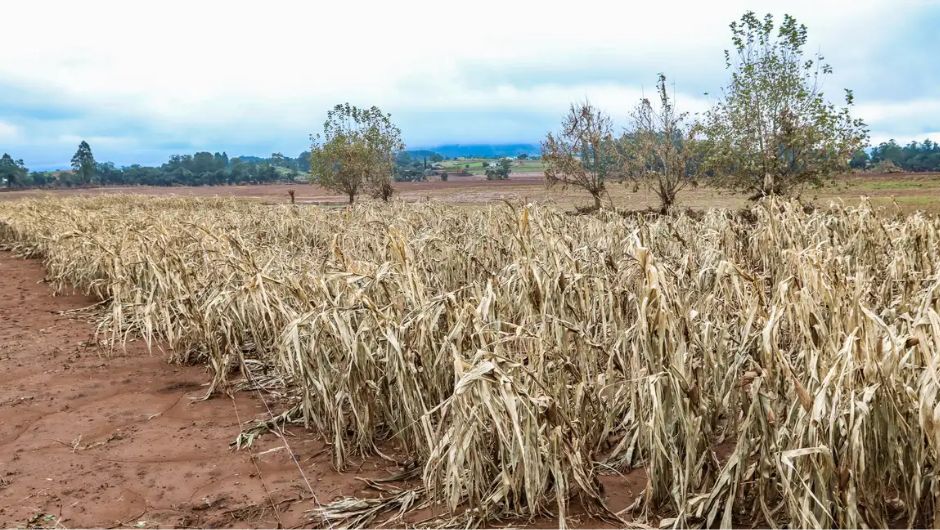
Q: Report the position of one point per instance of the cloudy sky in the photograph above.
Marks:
(143, 80)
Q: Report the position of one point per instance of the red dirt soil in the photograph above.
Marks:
(912, 191)
(476, 186)
(88, 440)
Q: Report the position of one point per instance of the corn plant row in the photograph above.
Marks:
(773, 366)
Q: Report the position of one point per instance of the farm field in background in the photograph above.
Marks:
(511, 359)
(476, 167)
(526, 280)
(909, 191)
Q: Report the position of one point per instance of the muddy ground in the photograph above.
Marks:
(92, 440)
(88, 441)
(906, 192)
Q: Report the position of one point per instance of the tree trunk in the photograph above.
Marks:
(597, 201)
(352, 197)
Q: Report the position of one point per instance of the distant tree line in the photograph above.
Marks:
(890, 156)
(199, 169)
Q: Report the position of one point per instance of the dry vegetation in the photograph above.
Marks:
(773, 366)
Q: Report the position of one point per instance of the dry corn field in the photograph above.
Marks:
(774, 366)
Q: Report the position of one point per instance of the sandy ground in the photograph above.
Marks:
(88, 440)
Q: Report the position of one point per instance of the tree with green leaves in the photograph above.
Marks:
(772, 130)
(108, 173)
(915, 156)
(584, 153)
(83, 163)
(12, 171)
(661, 149)
(860, 160)
(356, 152)
(303, 161)
(499, 171)
(278, 160)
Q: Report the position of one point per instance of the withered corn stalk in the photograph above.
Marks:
(769, 367)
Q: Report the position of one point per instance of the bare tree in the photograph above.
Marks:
(584, 153)
(661, 148)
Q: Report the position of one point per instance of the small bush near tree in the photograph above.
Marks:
(500, 171)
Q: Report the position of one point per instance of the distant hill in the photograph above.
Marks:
(478, 150)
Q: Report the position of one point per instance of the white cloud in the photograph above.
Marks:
(904, 139)
(107, 141)
(8, 132)
(223, 73)
(899, 110)
(904, 121)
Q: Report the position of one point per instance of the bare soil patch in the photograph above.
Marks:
(904, 191)
(89, 441)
